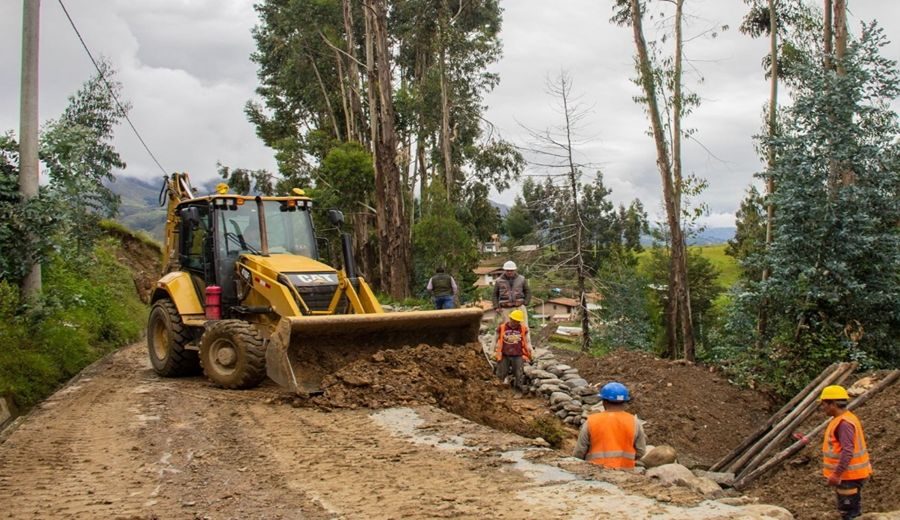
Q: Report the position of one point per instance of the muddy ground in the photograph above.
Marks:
(119, 442)
(799, 486)
(696, 410)
(690, 407)
(455, 378)
(424, 432)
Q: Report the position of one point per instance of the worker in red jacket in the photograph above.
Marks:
(845, 458)
(612, 438)
(513, 350)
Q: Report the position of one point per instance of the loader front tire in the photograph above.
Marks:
(232, 354)
(167, 338)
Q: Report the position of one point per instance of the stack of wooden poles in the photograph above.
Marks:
(754, 457)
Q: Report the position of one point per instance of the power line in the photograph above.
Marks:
(110, 89)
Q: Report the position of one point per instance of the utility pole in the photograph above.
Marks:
(29, 165)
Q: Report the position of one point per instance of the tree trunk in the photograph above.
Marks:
(680, 251)
(391, 218)
(446, 143)
(353, 76)
(828, 35)
(673, 217)
(762, 322)
(579, 226)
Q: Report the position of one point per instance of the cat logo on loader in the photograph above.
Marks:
(245, 296)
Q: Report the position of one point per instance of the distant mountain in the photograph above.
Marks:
(504, 209)
(140, 208)
(707, 237)
(711, 236)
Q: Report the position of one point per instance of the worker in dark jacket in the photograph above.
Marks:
(443, 289)
(612, 438)
(845, 457)
(511, 293)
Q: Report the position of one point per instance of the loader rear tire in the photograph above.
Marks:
(167, 338)
(232, 354)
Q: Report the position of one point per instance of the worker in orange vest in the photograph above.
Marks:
(513, 350)
(612, 438)
(845, 459)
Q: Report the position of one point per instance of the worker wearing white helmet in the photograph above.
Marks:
(511, 292)
(510, 289)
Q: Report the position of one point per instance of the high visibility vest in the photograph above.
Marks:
(859, 467)
(612, 439)
(512, 342)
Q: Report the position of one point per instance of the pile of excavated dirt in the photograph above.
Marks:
(799, 485)
(687, 406)
(455, 378)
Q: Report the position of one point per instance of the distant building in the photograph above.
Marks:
(558, 309)
(527, 248)
(492, 246)
(486, 275)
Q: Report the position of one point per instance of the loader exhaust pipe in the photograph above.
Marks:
(349, 261)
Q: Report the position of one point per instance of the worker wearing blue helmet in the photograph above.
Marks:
(612, 438)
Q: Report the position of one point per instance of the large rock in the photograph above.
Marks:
(559, 397)
(722, 479)
(588, 391)
(660, 456)
(540, 374)
(577, 383)
(589, 399)
(676, 474)
(558, 370)
(672, 474)
(548, 389)
(705, 486)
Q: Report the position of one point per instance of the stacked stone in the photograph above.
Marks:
(570, 396)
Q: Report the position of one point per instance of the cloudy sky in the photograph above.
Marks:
(185, 69)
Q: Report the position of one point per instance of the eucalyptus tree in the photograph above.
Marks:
(834, 287)
(660, 87)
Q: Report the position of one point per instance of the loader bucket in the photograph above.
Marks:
(305, 349)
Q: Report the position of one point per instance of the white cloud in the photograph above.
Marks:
(186, 70)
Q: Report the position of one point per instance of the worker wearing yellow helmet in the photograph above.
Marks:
(513, 350)
(845, 457)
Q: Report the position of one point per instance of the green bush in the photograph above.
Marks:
(87, 309)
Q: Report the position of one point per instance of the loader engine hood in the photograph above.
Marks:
(315, 282)
(287, 264)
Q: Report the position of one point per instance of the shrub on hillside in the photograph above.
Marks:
(86, 310)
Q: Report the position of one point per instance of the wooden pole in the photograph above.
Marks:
(753, 437)
(797, 446)
(844, 369)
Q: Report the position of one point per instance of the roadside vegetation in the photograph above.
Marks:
(88, 304)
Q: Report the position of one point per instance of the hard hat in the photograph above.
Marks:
(509, 266)
(834, 393)
(517, 315)
(615, 392)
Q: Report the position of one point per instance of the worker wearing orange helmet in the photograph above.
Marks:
(513, 350)
(845, 458)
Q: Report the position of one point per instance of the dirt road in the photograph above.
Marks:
(119, 442)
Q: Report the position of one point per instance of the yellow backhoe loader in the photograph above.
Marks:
(245, 296)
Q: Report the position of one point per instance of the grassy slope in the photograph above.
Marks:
(728, 268)
(88, 308)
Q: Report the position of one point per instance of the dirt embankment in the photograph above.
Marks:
(799, 486)
(455, 378)
(687, 406)
(142, 256)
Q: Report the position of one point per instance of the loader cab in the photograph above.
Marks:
(216, 231)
